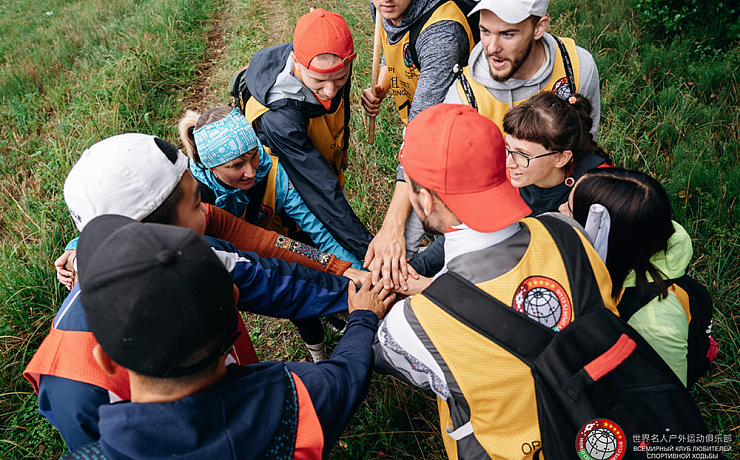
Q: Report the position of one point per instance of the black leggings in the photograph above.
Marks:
(310, 330)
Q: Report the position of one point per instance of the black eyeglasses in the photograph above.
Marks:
(523, 159)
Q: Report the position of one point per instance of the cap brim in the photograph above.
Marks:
(488, 210)
(96, 232)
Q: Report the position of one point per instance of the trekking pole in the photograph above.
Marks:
(376, 71)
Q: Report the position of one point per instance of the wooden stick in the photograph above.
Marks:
(376, 71)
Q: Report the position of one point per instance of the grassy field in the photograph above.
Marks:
(76, 72)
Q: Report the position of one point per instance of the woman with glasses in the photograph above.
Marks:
(549, 146)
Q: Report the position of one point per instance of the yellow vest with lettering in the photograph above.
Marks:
(498, 387)
(326, 133)
(403, 74)
(494, 110)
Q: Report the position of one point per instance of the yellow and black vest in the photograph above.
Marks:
(328, 133)
(403, 73)
(493, 402)
(494, 110)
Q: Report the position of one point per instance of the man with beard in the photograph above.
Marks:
(517, 59)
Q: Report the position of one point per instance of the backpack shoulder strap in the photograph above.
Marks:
(238, 90)
(568, 65)
(501, 323)
(631, 301)
(416, 27)
(465, 84)
(583, 286)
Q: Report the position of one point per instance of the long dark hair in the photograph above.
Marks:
(640, 222)
(556, 124)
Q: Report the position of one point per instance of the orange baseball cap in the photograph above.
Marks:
(460, 154)
(323, 32)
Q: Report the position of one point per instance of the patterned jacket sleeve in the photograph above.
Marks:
(251, 238)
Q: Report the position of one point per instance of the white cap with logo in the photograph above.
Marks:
(513, 11)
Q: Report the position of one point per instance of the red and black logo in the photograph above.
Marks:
(545, 301)
(562, 88)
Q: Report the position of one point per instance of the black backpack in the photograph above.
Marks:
(597, 379)
(415, 29)
(702, 348)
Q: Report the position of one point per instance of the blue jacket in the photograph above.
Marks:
(239, 417)
(266, 286)
(287, 200)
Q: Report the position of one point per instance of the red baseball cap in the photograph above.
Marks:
(460, 154)
(323, 32)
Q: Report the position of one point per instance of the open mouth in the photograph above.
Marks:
(497, 63)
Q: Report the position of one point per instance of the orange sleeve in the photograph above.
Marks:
(248, 237)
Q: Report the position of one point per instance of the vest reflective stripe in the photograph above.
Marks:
(497, 386)
(403, 74)
(68, 354)
(494, 110)
(309, 441)
(326, 133)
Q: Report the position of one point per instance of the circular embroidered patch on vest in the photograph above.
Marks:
(601, 439)
(545, 301)
(407, 56)
(264, 214)
(562, 89)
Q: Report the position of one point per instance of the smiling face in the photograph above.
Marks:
(239, 173)
(511, 48)
(190, 211)
(323, 85)
(547, 171)
(392, 10)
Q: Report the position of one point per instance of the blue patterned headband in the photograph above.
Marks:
(225, 139)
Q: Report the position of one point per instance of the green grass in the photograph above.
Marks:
(89, 70)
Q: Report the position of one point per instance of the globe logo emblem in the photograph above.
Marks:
(543, 300)
(542, 305)
(601, 439)
(601, 444)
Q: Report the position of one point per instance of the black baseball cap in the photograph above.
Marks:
(156, 297)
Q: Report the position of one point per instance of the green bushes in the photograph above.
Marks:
(712, 26)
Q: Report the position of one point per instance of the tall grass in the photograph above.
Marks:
(75, 72)
(72, 73)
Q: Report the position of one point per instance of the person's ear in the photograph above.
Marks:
(426, 200)
(106, 364)
(236, 294)
(540, 27)
(564, 158)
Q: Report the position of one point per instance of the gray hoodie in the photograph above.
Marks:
(515, 89)
(439, 47)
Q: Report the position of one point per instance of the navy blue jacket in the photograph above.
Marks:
(238, 418)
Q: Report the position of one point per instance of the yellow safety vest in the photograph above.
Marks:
(266, 216)
(326, 133)
(497, 386)
(403, 74)
(494, 110)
